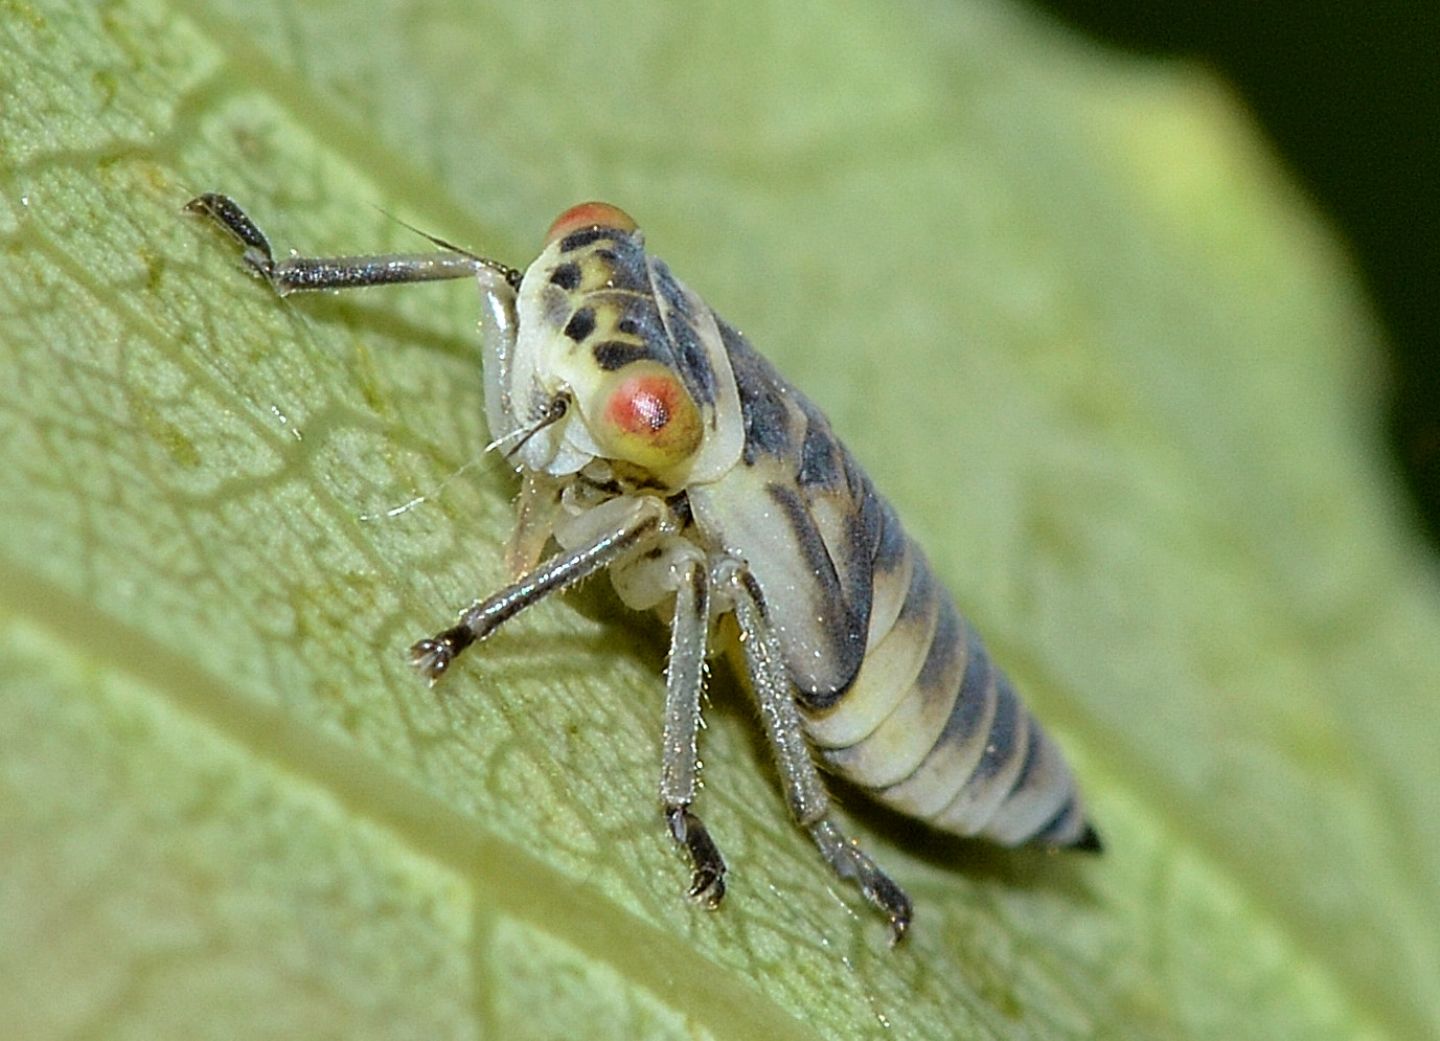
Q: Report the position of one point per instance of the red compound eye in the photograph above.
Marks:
(643, 406)
(649, 419)
(589, 215)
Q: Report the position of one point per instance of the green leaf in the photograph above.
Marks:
(1065, 308)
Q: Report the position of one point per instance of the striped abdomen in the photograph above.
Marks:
(931, 727)
(896, 690)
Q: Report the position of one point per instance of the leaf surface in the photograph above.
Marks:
(1064, 307)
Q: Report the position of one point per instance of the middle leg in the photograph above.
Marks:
(684, 685)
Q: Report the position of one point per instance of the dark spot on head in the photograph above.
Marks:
(566, 276)
(576, 239)
(628, 326)
(581, 324)
(613, 354)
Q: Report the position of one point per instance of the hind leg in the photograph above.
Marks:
(804, 790)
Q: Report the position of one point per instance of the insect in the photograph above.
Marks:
(654, 442)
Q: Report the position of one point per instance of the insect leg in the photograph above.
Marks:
(295, 274)
(804, 789)
(433, 656)
(684, 683)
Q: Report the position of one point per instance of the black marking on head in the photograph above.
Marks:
(628, 327)
(584, 237)
(566, 275)
(581, 324)
(615, 354)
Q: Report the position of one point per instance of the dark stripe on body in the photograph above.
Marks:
(691, 358)
(920, 596)
(984, 729)
(762, 407)
(971, 698)
(621, 260)
(944, 654)
(972, 704)
(846, 633)
(812, 546)
(820, 454)
(614, 354)
(1032, 756)
(891, 542)
(1001, 741)
(1052, 830)
(668, 290)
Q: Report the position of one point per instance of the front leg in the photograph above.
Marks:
(297, 274)
(646, 518)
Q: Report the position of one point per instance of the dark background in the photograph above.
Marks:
(1349, 91)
